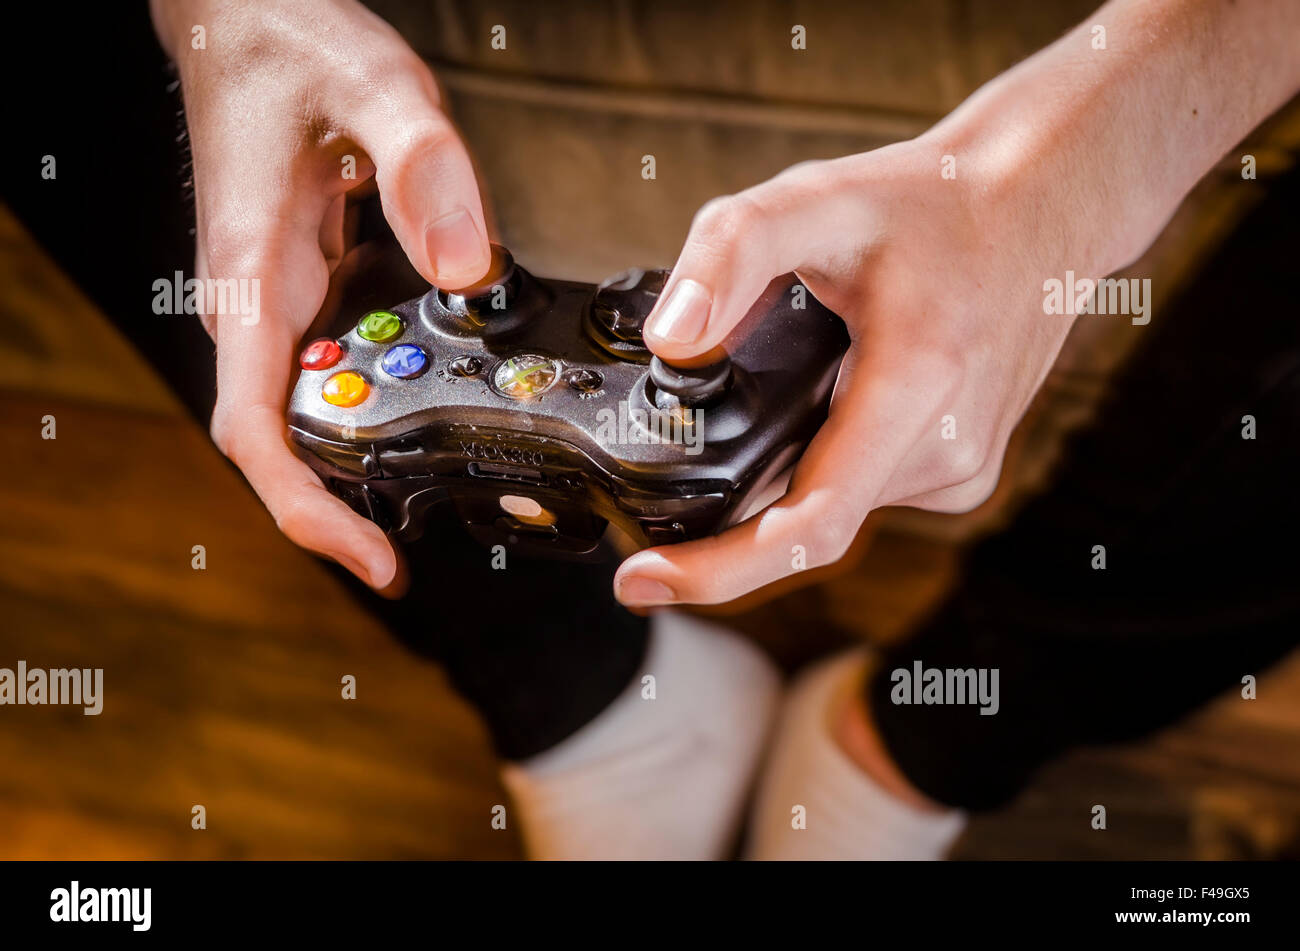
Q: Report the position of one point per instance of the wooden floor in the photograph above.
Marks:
(223, 685)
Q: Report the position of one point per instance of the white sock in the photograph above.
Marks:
(847, 814)
(662, 778)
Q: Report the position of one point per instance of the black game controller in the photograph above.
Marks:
(534, 407)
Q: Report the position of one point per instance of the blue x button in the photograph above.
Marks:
(405, 361)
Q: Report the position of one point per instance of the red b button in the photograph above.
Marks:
(320, 354)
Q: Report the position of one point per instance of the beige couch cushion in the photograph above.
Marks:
(559, 121)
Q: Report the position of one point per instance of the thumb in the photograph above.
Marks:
(736, 246)
(426, 182)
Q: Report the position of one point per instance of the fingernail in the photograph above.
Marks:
(683, 316)
(457, 254)
(637, 591)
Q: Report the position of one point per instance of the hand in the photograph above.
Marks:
(276, 104)
(1073, 160)
(940, 289)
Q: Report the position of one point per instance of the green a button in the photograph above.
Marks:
(380, 326)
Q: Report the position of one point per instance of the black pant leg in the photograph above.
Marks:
(1202, 577)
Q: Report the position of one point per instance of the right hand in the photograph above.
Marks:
(275, 103)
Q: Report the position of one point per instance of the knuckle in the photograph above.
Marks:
(224, 435)
(727, 220)
(943, 364)
(980, 489)
(831, 537)
(972, 481)
(971, 494)
(369, 69)
(966, 461)
(293, 516)
(806, 178)
(235, 245)
(386, 71)
(418, 142)
(800, 171)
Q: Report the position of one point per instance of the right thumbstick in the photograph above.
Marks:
(689, 386)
